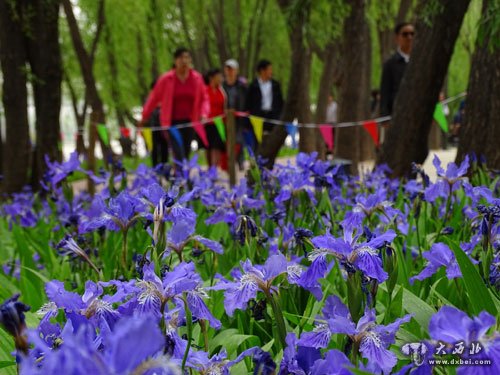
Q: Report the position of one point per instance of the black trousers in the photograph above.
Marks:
(159, 154)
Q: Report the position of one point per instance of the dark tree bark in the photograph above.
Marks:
(46, 66)
(297, 102)
(480, 131)
(355, 85)
(407, 136)
(329, 75)
(16, 151)
(153, 26)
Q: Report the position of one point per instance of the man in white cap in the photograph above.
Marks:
(236, 95)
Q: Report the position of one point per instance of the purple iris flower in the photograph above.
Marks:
(373, 339)
(120, 213)
(439, 256)
(93, 305)
(448, 181)
(20, 210)
(335, 363)
(252, 280)
(156, 293)
(56, 172)
(12, 319)
(230, 204)
(353, 255)
(292, 183)
(182, 233)
(297, 361)
(135, 344)
(451, 326)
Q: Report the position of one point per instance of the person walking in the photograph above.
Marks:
(181, 95)
(264, 96)
(394, 68)
(235, 90)
(217, 99)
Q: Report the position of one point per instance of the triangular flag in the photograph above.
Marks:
(258, 127)
(199, 128)
(125, 132)
(147, 134)
(291, 129)
(372, 128)
(103, 134)
(219, 124)
(440, 117)
(176, 134)
(327, 133)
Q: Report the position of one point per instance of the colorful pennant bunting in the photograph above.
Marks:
(440, 117)
(258, 127)
(291, 129)
(125, 132)
(372, 128)
(219, 124)
(327, 133)
(103, 134)
(147, 134)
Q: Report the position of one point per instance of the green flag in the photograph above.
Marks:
(103, 134)
(440, 117)
(219, 124)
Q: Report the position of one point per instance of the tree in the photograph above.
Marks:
(13, 57)
(480, 131)
(297, 104)
(437, 29)
(354, 85)
(45, 60)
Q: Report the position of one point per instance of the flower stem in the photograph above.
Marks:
(189, 325)
(124, 248)
(278, 316)
(443, 222)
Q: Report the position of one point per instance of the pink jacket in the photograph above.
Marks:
(162, 96)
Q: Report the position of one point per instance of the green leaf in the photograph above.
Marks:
(479, 296)
(421, 310)
(229, 339)
(4, 364)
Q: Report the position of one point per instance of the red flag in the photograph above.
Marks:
(372, 128)
(199, 128)
(327, 133)
(125, 132)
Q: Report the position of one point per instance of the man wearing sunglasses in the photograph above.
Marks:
(395, 66)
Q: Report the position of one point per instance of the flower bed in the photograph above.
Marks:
(302, 270)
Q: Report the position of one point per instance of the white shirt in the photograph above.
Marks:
(331, 112)
(266, 90)
(404, 55)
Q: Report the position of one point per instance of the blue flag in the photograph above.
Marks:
(291, 129)
(177, 137)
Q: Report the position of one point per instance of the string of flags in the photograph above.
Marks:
(257, 122)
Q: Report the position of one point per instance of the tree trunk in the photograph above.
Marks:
(407, 136)
(85, 62)
(152, 27)
(330, 61)
(480, 131)
(46, 65)
(16, 150)
(355, 85)
(297, 104)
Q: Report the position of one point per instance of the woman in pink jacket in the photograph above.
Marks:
(182, 98)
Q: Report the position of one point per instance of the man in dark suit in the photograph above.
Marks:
(395, 66)
(264, 97)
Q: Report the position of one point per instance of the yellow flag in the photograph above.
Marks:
(258, 126)
(147, 134)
